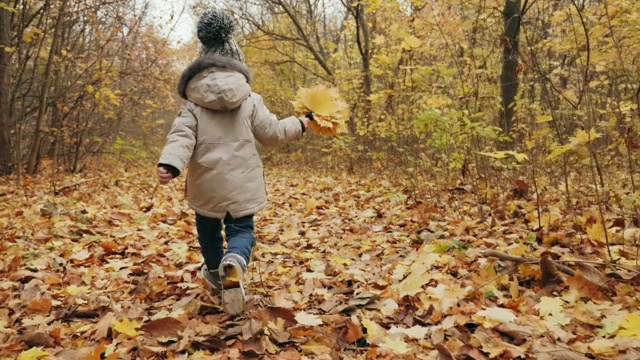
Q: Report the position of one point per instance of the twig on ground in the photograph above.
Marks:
(610, 264)
(522, 260)
(558, 263)
(56, 192)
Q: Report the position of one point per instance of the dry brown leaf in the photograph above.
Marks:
(37, 339)
(98, 354)
(353, 332)
(273, 313)
(101, 329)
(551, 276)
(41, 304)
(163, 327)
(250, 328)
(593, 275)
(324, 239)
(586, 286)
(212, 344)
(444, 353)
(253, 347)
(290, 354)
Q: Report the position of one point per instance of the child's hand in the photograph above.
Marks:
(164, 176)
(305, 121)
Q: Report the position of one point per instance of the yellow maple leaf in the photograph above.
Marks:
(630, 326)
(494, 316)
(552, 310)
(582, 137)
(320, 100)
(127, 327)
(397, 346)
(375, 333)
(75, 290)
(341, 260)
(33, 354)
(411, 42)
(604, 347)
(596, 232)
(329, 111)
(413, 284)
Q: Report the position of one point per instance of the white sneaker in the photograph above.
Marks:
(232, 270)
(211, 277)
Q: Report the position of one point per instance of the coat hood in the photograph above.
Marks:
(216, 83)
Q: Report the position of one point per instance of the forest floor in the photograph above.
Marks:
(345, 267)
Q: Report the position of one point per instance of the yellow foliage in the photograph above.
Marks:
(630, 326)
(329, 111)
(127, 327)
(33, 354)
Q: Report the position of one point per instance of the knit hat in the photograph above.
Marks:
(215, 32)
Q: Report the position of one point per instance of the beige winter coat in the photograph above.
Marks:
(216, 135)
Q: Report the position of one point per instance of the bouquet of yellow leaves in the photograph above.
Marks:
(328, 110)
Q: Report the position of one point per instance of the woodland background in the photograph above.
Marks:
(440, 91)
(487, 124)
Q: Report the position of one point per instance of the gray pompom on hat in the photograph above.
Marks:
(215, 32)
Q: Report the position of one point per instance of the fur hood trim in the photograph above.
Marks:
(205, 62)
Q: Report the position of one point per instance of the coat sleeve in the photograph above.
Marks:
(270, 131)
(181, 140)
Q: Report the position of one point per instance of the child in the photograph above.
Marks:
(216, 134)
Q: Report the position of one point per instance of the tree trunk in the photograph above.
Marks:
(509, 78)
(6, 165)
(32, 166)
(364, 43)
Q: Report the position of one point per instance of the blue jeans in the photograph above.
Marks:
(240, 238)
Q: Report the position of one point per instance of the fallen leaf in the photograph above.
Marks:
(375, 333)
(364, 298)
(74, 290)
(315, 349)
(42, 304)
(33, 354)
(127, 327)
(397, 346)
(495, 315)
(37, 339)
(416, 332)
(212, 344)
(551, 276)
(630, 326)
(253, 347)
(273, 313)
(552, 310)
(604, 347)
(589, 281)
(389, 307)
(354, 332)
(101, 329)
(548, 305)
(443, 352)
(164, 327)
(308, 319)
(99, 354)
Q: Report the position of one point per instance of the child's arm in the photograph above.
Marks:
(270, 131)
(180, 144)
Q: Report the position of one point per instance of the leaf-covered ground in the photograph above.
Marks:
(344, 268)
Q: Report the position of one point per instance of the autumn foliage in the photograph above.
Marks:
(329, 112)
(346, 267)
(440, 220)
